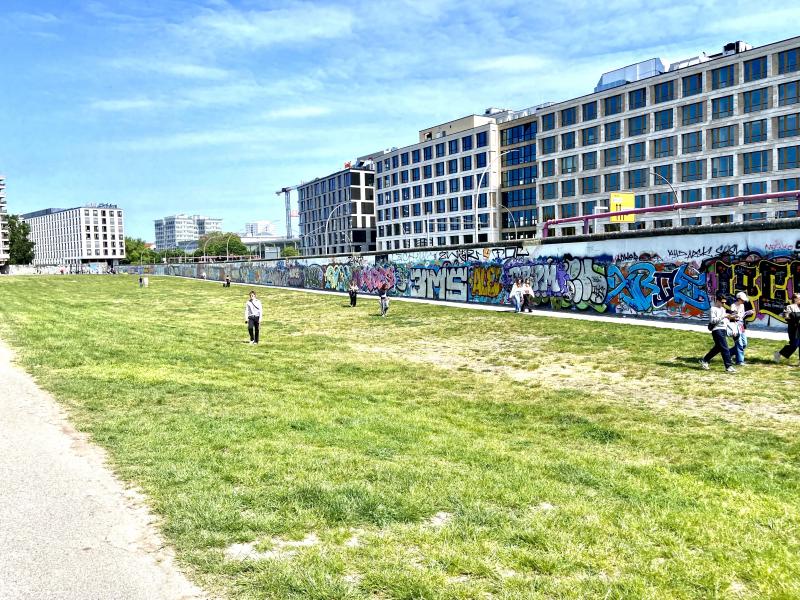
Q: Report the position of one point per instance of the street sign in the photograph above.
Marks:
(622, 201)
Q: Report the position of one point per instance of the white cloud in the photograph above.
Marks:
(125, 104)
(297, 112)
(513, 63)
(176, 69)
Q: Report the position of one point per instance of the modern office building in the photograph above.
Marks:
(183, 231)
(337, 212)
(258, 228)
(4, 234)
(431, 193)
(72, 237)
(708, 127)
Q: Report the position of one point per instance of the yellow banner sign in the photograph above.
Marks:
(620, 201)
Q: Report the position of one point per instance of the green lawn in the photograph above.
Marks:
(438, 453)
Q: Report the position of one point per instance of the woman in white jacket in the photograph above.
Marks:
(718, 323)
(516, 295)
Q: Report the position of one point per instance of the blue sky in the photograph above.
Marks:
(210, 106)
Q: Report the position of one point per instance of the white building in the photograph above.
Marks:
(179, 231)
(74, 236)
(259, 228)
(431, 193)
(4, 235)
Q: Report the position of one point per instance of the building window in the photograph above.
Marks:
(439, 169)
(440, 152)
(662, 199)
(722, 137)
(720, 219)
(664, 147)
(755, 69)
(637, 98)
(589, 111)
(427, 153)
(693, 195)
(692, 113)
(569, 164)
(722, 77)
(612, 105)
(753, 188)
(480, 160)
(637, 178)
(589, 136)
(756, 162)
(466, 143)
(637, 125)
(611, 182)
(664, 92)
(568, 188)
(548, 168)
(787, 125)
(756, 100)
(548, 144)
(692, 170)
(481, 139)
(569, 116)
(568, 210)
(692, 142)
(636, 152)
(663, 173)
(519, 156)
(568, 140)
(518, 133)
(787, 61)
(549, 191)
(691, 221)
(722, 191)
(722, 166)
(589, 161)
(612, 156)
(590, 185)
(663, 119)
(755, 131)
(692, 84)
(548, 213)
(722, 107)
(415, 156)
(755, 216)
(441, 188)
(548, 122)
(787, 185)
(788, 93)
(787, 157)
(613, 131)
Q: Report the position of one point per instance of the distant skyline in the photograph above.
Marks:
(210, 107)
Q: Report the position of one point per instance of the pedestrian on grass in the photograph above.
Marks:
(527, 295)
(383, 298)
(516, 295)
(227, 281)
(252, 316)
(718, 324)
(792, 315)
(741, 313)
(353, 291)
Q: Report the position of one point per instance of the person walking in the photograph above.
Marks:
(353, 291)
(383, 298)
(792, 315)
(516, 295)
(252, 316)
(527, 295)
(740, 312)
(718, 324)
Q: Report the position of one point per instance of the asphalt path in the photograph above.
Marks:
(68, 528)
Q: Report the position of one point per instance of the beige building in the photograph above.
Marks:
(4, 235)
(704, 128)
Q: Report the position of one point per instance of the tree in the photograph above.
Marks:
(290, 251)
(137, 252)
(217, 243)
(21, 248)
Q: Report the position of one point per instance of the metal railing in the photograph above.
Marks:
(667, 208)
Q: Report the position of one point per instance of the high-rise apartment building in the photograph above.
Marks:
(93, 233)
(433, 192)
(4, 234)
(258, 228)
(178, 231)
(337, 212)
(708, 127)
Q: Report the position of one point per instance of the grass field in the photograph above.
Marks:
(438, 453)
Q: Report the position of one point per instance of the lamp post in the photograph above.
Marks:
(227, 246)
(665, 180)
(480, 181)
(204, 248)
(510, 214)
(328, 220)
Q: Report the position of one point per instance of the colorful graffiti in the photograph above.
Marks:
(672, 278)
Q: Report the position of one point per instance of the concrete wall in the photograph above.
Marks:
(662, 277)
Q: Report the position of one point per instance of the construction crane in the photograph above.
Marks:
(287, 193)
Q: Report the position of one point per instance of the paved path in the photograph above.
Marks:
(68, 529)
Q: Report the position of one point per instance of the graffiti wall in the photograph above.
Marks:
(662, 277)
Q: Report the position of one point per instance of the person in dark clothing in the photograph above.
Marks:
(792, 315)
(383, 297)
(353, 291)
(252, 316)
(718, 323)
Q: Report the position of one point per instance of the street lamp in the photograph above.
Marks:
(204, 249)
(480, 181)
(328, 220)
(227, 246)
(665, 180)
(510, 214)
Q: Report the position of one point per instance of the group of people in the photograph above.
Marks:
(383, 296)
(728, 320)
(521, 295)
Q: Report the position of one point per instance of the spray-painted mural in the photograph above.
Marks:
(667, 277)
